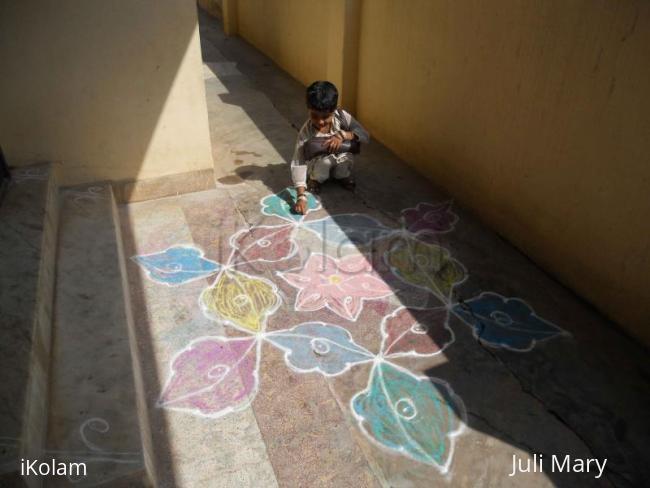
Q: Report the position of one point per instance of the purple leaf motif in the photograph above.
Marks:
(427, 219)
(213, 376)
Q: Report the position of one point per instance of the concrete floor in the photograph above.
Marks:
(386, 339)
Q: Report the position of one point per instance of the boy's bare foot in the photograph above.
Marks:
(348, 183)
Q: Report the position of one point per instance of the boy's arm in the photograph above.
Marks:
(299, 173)
(298, 164)
(356, 128)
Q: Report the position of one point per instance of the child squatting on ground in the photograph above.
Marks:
(326, 144)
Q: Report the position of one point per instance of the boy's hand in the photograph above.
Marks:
(336, 140)
(301, 204)
(334, 143)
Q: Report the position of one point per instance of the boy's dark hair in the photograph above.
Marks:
(322, 96)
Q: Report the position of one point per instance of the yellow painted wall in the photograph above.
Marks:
(294, 33)
(310, 39)
(534, 114)
(113, 89)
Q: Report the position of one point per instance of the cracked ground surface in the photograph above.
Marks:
(316, 415)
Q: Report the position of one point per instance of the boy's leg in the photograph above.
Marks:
(320, 168)
(343, 171)
(343, 168)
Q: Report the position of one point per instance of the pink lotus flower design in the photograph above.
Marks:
(338, 284)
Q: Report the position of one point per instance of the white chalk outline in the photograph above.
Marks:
(458, 402)
(412, 353)
(235, 236)
(316, 369)
(438, 293)
(92, 193)
(105, 427)
(93, 453)
(29, 174)
(505, 300)
(202, 274)
(428, 231)
(263, 206)
(389, 232)
(256, 344)
(263, 319)
(96, 454)
(363, 299)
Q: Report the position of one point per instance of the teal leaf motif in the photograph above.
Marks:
(318, 347)
(281, 205)
(415, 416)
(348, 229)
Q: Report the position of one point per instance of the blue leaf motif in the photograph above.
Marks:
(413, 415)
(348, 229)
(281, 205)
(318, 347)
(177, 265)
(505, 322)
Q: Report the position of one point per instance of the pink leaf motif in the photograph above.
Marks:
(264, 243)
(428, 219)
(213, 376)
(416, 332)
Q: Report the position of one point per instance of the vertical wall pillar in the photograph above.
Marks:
(343, 49)
(229, 8)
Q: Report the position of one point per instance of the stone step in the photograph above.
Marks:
(93, 416)
(28, 229)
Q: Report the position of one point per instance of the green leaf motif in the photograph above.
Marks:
(427, 266)
(416, 416)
